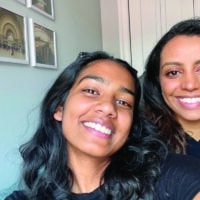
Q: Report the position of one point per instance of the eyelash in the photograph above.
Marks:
(124, 103)
(172, 73)
(119, 101)
(91, 91)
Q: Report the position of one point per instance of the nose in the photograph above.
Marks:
(191, 81)
(107, 107)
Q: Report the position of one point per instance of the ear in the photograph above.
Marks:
(58, 113)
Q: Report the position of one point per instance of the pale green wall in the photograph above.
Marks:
(78, 27)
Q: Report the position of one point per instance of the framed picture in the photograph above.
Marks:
(43, 46)
(13, 37)
(22, 1)
(44, 7)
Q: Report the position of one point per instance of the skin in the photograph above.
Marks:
(197, 197)
(102, 96)
(180, 80)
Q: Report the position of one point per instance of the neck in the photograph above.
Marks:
(192, 129)
(87, 173)
(194, 135)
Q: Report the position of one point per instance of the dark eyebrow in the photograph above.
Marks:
(100, 79)
(123, 89)
(177, 63)
(89, 76)
(171, 63)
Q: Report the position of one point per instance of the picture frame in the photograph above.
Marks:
(44, 7)
(13, 37)
(21, 1)
(42, 46)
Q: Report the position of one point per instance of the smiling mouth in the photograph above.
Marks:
(98, 127)
(190, 100)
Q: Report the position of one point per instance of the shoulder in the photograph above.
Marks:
(17, 195)
(180, 177)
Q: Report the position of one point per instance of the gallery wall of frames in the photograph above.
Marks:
(24, 40)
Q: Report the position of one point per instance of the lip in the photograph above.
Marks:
(189, 101)
(99, 127)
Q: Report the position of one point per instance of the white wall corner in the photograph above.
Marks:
(115, 28)
(124, 30)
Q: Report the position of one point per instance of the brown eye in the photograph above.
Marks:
(173, 73)
(123, 103)
(91, 91)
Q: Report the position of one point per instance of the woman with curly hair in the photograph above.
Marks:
(91, 142)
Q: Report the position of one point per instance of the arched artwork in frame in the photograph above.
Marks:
(13, 37)
(44, 7)
(43, 45)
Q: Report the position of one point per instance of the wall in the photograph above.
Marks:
(115, 28)
(78, 28)
(110, 26)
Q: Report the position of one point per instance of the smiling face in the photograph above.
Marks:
(98, 112)
(180, 77)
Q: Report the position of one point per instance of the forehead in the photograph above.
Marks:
(182, 49)
(182, 41)
(108, 69)
(102, 66)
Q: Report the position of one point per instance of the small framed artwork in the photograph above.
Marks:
(43, 46)
(13, 37)
(44, 7)
(21, 1)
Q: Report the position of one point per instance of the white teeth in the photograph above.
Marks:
(190, 100)
(98, 127)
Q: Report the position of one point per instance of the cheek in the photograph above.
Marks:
(168, 86)
(75, 105)
(74, 108)
(163, 85)
(125, 121)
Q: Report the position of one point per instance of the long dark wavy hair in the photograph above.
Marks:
(133, 170)
(154, 105)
